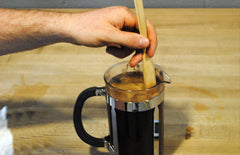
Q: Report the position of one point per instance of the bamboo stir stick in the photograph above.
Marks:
(148, 67)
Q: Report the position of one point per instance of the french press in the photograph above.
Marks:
(131, 114)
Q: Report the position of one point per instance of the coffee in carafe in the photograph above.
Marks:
(131, 110)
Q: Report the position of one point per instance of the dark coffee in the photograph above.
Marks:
(135, 132)
(161, 128)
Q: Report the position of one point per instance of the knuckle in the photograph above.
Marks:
(124, 8)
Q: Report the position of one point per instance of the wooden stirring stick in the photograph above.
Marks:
(148, 67)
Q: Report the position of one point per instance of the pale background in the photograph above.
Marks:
(128, 3)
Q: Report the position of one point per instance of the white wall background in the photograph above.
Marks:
(128, 3)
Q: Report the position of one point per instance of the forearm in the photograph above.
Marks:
(113, 27)
(27, 29)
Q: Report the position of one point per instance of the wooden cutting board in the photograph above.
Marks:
(198, 48)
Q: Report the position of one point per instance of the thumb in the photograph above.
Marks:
(129, 39)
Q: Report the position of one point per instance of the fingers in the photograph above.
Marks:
(124, 52)
(119, 52)
(152, 39)
(138, 56)
(129, 39)
(124, 35)
(132, 21)
(134, 40)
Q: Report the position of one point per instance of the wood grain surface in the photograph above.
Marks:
(198, 48)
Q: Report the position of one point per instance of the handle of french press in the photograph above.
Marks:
(77, 116)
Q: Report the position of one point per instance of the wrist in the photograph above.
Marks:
(56, 27)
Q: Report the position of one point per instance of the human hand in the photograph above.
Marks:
(114, 27)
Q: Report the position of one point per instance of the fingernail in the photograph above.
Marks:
(144, 42)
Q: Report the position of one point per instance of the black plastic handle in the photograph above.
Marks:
(77, 118)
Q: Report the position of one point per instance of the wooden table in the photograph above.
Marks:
(198, 48)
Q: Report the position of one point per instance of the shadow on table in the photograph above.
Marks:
(176, 128)
(31, 112)
(95, 151)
